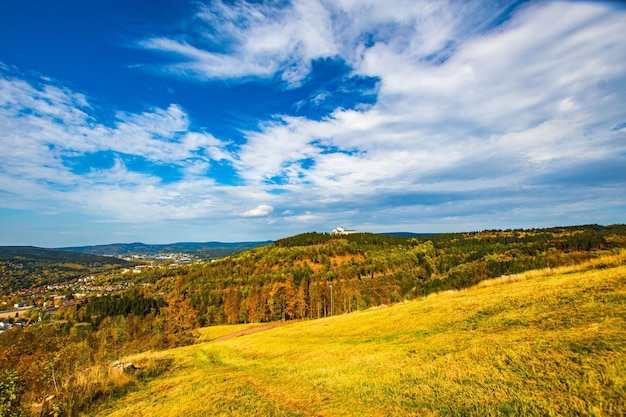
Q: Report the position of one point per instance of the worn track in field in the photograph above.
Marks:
(256, 329)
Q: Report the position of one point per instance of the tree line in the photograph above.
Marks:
(308, 275)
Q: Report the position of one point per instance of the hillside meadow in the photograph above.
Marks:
(548, 342)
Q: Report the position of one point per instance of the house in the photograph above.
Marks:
(342, 232)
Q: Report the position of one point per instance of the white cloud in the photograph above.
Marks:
(260, 211)
(469, 126)
(508, 111)
(48, 129)
(239, 40)
(499, 86)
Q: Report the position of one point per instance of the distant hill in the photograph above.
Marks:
(209, 249)
(29, 266)
(34, 254)
(408, 234)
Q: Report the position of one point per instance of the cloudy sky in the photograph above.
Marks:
(165, 120)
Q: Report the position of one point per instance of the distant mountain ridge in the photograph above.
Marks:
(33, 254)
(408, 234)
(205, 248)
(28, 266)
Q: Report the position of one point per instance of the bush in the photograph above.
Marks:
(10, 395)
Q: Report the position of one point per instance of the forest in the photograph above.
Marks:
(313, 274)
(308, 276)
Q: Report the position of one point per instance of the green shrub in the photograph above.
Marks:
(10, 395)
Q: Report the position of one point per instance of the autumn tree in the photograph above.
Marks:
(278, 301)
(283, 300)
(232, 304)
(302, 299)
(254, 305)
(291, 300)
(180, 319)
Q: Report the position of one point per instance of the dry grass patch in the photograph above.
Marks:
(544, 344)
(208, 334)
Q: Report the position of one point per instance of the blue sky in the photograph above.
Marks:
(166, 121)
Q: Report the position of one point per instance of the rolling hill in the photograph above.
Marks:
(35, 254)
(28, 266)
(542, 343)
(207, 249)
(496, 322)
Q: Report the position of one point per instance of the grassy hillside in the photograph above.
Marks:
(549, 342)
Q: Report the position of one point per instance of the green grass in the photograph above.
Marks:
(541, 343)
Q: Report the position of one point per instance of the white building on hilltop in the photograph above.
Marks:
(341, 231)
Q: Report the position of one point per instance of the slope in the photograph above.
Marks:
(549, 342)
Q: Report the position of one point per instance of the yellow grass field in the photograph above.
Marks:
(545, 343)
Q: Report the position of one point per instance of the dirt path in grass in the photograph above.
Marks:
(252, 330)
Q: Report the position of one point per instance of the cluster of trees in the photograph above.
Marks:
(49, 357)
(119, 305)
(312, 274)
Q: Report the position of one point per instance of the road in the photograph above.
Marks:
(5, 314)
